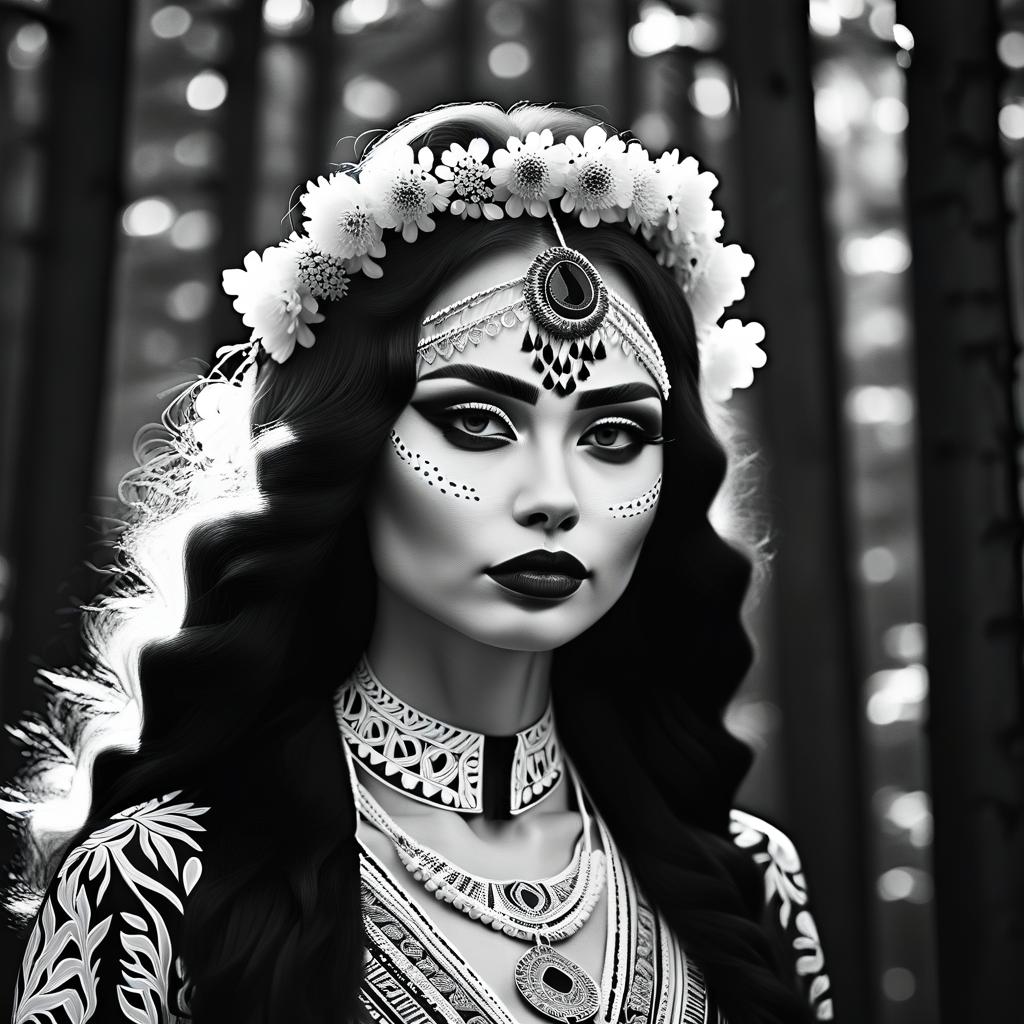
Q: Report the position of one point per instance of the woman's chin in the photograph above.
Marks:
(518, 629)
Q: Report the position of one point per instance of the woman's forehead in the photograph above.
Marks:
(503, 352)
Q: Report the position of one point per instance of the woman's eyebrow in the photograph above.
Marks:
(500, 383)
(632, 392)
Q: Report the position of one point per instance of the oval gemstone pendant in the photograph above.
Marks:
(565, 294)
(553, 985)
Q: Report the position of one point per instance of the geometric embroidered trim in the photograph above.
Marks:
(433, 762)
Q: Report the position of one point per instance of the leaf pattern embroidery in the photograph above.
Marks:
(63, 971)
(60, 976)
(786, 888)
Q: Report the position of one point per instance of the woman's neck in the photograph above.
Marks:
(449, 676)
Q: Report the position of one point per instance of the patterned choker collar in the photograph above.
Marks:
(440, 764)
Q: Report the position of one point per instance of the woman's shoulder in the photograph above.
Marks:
(103, 943)
(788, 903)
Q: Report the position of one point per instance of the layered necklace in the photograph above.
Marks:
(542, 911)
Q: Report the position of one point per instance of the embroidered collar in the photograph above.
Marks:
(441, 764)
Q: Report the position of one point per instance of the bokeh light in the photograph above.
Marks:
(509, 60)
(505, 18)
(1011, 121)
(27, 49)
(287, 17)
(369, 98)
(170, 22)
(189, 301)
(894, 694)
(878, 564)
(1011, 49)
(145, 217)
(905, 641)
(882, 19)
(194, 229)
(898, 984)
(887, 252)
(823, 18)
(890, 114)
(196, 149)
(355, 15)
(711, 92)
(206, 91)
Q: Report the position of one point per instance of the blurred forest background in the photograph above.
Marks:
(870, 157)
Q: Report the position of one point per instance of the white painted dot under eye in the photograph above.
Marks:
(638, 506)
(430, 471)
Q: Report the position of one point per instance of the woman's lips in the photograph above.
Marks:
(549, 575)
(531, 583)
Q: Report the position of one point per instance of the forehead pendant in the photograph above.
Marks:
(568, 302)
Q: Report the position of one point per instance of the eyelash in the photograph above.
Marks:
(444, 418)
(622, 452)
(638, 432)
(483, 407)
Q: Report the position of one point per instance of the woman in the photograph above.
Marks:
(476, 506)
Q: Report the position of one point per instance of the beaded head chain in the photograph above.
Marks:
(572, 315)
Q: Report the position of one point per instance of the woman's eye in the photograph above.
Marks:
(617, 439)
(474, 426)
(611, 437)
(477, 422)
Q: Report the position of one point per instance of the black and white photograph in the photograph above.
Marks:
(511, 511)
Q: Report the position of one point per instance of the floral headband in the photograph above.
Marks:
(599, 179)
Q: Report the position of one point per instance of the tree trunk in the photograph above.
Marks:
(971, 524)
(819, 677)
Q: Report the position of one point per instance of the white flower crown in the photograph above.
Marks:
(600, 179)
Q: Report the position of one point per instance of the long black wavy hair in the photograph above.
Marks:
(237, 703)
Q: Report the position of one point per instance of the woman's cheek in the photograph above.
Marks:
(638, 505)
(431, 472)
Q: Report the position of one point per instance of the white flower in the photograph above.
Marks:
(273, 302)
(598, 182)
(716, 281)
(402, 190)
(321, 274)
(340, 222)
(529, 174)
(222, 424)
(691, 209)
(471, 180)
(650, 189)
(729, 355)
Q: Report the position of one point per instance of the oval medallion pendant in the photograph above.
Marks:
(553, 985)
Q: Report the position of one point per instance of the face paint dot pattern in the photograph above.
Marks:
(638, 506)
(430, 472)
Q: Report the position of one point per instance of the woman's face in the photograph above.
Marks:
(485, 465)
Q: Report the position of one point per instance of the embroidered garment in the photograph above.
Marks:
(103, 946)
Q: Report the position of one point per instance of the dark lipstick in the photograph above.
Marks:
(549, 575)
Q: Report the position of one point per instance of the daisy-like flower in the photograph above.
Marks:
(717, 281)
(273, 302)
(691, 209)
(729, 355)
(321, 274)
(471, 180)
(403, 191)
(649, 203)
(340, 222)
(529, 174)
(598, 182)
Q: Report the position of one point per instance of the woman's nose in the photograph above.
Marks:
(547, 498)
